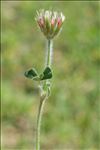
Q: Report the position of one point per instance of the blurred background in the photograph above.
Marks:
(71, 115)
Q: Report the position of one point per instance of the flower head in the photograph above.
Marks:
(50, 22)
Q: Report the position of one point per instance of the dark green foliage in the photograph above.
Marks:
(47, 74)
(31, 74)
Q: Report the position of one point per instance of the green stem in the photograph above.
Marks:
(49, 53)
(39, 117)
(43, 99)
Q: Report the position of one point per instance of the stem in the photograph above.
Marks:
(49, 57)
(49, 52)
(39, 117)
(45, 97)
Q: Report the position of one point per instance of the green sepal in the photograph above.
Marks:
(47, 74)
(48, 26)
(32, 74)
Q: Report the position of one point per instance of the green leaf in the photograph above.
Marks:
(47, 74)
(32, 74)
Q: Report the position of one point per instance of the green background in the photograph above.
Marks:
(71, 115)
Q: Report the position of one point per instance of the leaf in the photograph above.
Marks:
(47, 74)
(32, 74)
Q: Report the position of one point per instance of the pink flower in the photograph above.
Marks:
(50, 22)
(59, 22)
(41, 22)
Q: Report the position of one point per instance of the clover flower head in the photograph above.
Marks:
(50, 22)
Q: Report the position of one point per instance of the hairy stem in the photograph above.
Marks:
(49, 52)
(43, 98)
(39, 117)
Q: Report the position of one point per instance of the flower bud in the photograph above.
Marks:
(50, 22)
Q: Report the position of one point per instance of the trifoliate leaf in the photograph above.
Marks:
(47, 74)
(32, 74)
